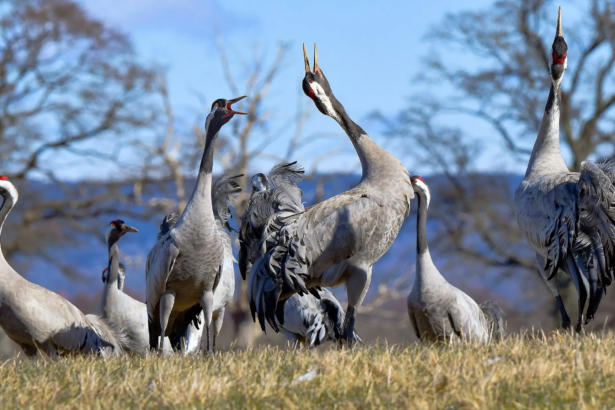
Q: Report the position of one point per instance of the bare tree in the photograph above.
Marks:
(71, 90)
(505, 85)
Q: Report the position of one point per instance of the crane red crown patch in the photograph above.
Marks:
(559, 60)
(3, 178)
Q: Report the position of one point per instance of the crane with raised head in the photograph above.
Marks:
(310, 319)
(567, 217)
(336, 241)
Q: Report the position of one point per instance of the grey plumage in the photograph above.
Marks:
(338, 240)
(223, 191)
(185, 265)
(567, 217)
(121, 277)
(438, 311)
(119, 308)
(276, 194)
(38, 319)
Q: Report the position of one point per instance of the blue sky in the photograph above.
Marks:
(370, 52)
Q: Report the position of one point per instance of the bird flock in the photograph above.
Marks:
(290, 255)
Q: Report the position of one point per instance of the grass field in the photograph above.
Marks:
(554, 371)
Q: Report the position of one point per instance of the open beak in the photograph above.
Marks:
(229, 103)
(307, 61)
(130, 229)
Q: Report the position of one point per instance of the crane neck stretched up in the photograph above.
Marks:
(546, 154)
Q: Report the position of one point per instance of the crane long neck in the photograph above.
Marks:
(427, 275)
(546, 154)
(7, 204)
(114, 259)
(421, 226)
(370, 154)
(199, 206)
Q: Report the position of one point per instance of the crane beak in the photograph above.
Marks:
(233, 101)
(559, 32)
(130, 229)
(316, 66)
(306, 61)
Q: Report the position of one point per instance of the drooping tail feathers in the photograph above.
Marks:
(597, 198)
(222, 192)
(280, 272)
(107, 338)
(495, 319)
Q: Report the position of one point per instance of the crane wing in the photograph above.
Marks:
(159, 265)
(548, 215)
(322, 236)
(597, 204)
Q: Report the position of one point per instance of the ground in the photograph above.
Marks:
(530, 371)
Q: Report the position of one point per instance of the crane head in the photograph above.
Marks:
(316, 86)
(7, 188)
(420, 187)
(121, 227)
(222, 111)
(558, 60)
(260, 183)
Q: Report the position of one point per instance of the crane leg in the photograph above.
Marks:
(219, 319)
(30, 351)
(357, 283)
(166, 306)
(207, 303)
(553, 285)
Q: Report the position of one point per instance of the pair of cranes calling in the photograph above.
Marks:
(290, 254)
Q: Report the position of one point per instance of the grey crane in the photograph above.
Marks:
(183, 268)
(223, 190)
(439, 311)
(338, 240)
(309, 319)
(37, 319)
(567, 217)
(119, 308)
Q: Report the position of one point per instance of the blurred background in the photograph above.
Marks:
(103, 106)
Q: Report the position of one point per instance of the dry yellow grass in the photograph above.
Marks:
(557, 371)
